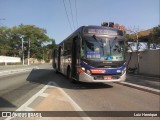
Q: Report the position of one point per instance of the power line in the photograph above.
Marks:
(71, 14)
(67, 15)
(2, 23)
(76, 12)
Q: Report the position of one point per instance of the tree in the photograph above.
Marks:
(51, 48)
(5, 37)
(36, 36)
(48, 50)
(155, 35)
(11, 41)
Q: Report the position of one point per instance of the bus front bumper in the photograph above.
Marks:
(84, 77)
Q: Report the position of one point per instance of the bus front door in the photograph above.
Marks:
(59, 58)
(74, 58)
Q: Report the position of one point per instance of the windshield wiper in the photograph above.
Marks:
(95, 38)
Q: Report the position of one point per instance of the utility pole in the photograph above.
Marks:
(22, 50)
(137, 53)
(28, 50)
(43, 55)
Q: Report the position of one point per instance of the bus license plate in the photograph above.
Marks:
(107, 77)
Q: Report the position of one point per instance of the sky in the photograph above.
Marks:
(51, 15)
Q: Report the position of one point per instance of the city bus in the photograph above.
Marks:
(92, 54)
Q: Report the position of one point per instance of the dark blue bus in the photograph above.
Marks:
(92, 54)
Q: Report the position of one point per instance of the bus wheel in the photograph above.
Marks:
(68, 73)
(57, 72)
(69, 76)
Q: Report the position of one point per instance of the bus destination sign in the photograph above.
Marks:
(101, 31)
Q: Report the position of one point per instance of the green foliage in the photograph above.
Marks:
(11, 41)
(155, 35)
(131, 37)
(150, 36)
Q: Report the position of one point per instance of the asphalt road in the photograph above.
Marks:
(16, 89)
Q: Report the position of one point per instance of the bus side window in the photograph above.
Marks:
(67, 48)
(82, 49)
(78, 48)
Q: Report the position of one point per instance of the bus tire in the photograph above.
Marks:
(56, 72)
(69, 75)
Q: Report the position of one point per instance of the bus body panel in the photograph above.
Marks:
(87, 78)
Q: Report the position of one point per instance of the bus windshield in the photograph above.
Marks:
(103, 48)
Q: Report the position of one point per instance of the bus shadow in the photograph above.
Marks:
(84, 85)
(44, 76)
(39, 76)
(79, 85)
(5, 104)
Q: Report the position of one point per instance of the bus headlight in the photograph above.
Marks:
(83, 68)
(119, 71)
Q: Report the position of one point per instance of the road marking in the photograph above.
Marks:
(72, 102)
(32, 99)
(44, 95)
(29, 109)
(25, 107)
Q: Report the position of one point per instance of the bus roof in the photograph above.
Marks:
(81, 29)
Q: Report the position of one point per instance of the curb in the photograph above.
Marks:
(139, 87)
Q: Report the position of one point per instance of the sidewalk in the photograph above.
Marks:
(151, 82)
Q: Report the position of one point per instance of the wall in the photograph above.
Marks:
(149, 62)
(7, 59)
(33, 61)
